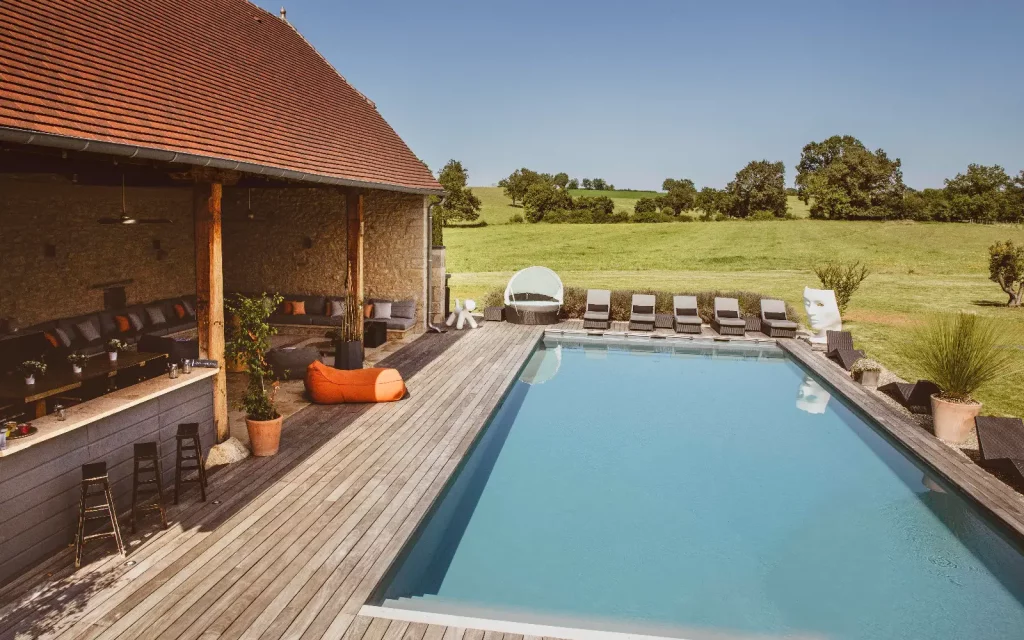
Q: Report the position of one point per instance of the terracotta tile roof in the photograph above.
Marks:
(212, 78)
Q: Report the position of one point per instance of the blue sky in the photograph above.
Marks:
(638, 91)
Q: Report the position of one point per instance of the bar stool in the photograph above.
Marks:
(188, 442)
(94, 475)
(147, 461)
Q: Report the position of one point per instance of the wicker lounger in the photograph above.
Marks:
(1001, 445)
(727, 320)
(598, 314)
(914, 396)
(686, 319)
(641, 317)
(774, 322)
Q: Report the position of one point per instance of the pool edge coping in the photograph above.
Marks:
(990, 494)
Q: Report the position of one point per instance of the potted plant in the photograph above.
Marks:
(248, 345)
(77, 360)
(348, 338)
(30, 369)
(866, 371)
(115, 346)
(960, 353)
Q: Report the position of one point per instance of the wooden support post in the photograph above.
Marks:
(210, 294)
(355, 231)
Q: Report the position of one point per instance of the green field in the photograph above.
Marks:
(496, 208)
(917, 268)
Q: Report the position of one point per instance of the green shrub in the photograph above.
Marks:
(574, 302)
(516, 218)
(651, 216)
(645, 205)
(763, 215)
(682, 217)
(1006, 268)
(842, 277)
(961, 353)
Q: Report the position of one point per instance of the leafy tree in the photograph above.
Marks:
(600, 205)
(518, 183)
(599, 184)
(1006, 268)
(710, 201)
(980, 195)
(759, 186)
(574, 183)
(645, 205)
(842, 277)
(680, 195)
(927, 204)
(459, 203)
(845, 180)
(542, 197)
(588, 183)
(561, 180)
(1016, 199)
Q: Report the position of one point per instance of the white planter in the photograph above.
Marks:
(112, 355)
(30, 380)
(76, 368)
(953, 421)
(868, 378)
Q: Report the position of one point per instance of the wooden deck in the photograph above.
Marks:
(291, 546)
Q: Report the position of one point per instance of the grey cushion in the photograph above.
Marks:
(400, 324)
(136, 321)
(688, 319)
(337, 308)
(403, 309)
(156, 315)
(595, 315)
(62, 336)
(732, 322)
(190, 309)
(107, 324)
(381, 310)
(88, 330)
(780, 324)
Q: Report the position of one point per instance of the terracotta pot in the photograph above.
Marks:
(264, 436)
(953, 421)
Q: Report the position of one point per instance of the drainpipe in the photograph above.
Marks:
(430, 284)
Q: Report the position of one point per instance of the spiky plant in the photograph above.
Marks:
(961, 353)
(352, 321)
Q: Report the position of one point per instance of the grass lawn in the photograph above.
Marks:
(917, 268)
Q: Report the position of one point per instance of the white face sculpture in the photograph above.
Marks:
(811, 397)
(822, 310)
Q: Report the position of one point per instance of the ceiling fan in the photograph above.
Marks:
(126, 219)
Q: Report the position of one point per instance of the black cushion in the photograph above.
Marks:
(643, 310)
(686, 312)
(723, 313)
(600, 308)
(774, 315)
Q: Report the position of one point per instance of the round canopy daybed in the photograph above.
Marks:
(533, 296)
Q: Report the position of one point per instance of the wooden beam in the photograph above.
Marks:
(210, 293)
(355, 231)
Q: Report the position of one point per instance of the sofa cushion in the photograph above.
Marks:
(88, 329)
(326, 321)
(381, 310)
(335, 308)
(400, 324)
(403, 309)
(190, 307)
(156, 315)
(62, 336)
(108, 325)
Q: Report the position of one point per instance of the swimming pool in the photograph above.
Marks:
(702, 490)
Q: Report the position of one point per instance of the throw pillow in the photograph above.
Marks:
(403, 309)
(52, 339)
(727, 313)
(298, 307)
(286, 307)
(337, 308)
(88, 331)
(368, 310)
(381, 310)
(136, 321)
(63, 336)
(179, 310)
(123, 323)
(156, 315)
(774, 315)
(189, 309)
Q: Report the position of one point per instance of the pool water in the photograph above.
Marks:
(703, 491)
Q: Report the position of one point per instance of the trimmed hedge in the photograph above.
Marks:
(575, 302)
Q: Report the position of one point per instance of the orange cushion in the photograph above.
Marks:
(123, 323)
(327, 385)
(52, 339)
(287, 310)
(179, 310)
(368, 310)
(298, 307)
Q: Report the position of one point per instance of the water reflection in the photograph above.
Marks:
(543, 366)
(812, 397)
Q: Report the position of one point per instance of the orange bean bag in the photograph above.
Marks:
(327, 385)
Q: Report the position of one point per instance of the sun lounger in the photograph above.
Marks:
(598, 314)
(839, 347)
(641, 317)
(774, 322)
(1001, 446)
(686, 319)
(915, 396)
(727, 320)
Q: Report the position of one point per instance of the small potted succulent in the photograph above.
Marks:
(248, 346)
(30, 369)
(115, 346)
(961, 353)
(77, 360)
(866, 371)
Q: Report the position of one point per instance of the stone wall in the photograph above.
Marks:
(296, 243)
(41, 213)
